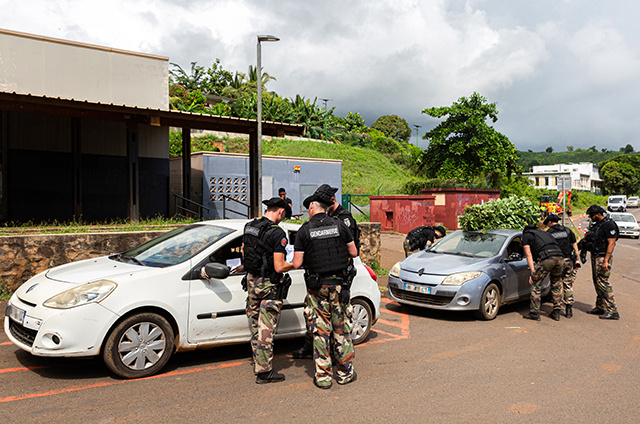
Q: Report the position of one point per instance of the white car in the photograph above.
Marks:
(632, 202)
(627, 224)
(136, 308)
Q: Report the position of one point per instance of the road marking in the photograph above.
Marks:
(5, 343)
(22, 369)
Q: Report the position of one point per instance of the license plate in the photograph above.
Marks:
(17, 314)
(417, 288)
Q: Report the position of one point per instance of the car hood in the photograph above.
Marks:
(92, 270)
(627, 224)
(443, 263)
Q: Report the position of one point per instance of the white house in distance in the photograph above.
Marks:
(584, 176)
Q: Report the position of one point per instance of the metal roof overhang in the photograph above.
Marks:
(148, 116)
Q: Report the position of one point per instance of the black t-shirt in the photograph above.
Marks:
(276, 238)
(346, 217)
(302, 241)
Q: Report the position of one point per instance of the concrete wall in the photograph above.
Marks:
(22, 257)
(52, 67)
(402, 213)
(451, 202)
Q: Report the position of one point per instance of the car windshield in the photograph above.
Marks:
(175, 246)
(623, 218)
(615, 199)
(470, 243)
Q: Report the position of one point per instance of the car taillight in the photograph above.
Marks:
(371, 273)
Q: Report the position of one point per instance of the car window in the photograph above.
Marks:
(175, 246)
(470, 243)
(623, 218)
(230, 254)
(515, 246)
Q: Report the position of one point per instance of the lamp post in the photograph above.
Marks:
(325, 117)
(261, 38)
(417, 126)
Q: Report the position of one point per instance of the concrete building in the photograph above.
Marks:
(220, 180)
(585, 176)
(84, 131)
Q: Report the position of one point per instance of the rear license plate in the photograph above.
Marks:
(417, 288)
(17, 314)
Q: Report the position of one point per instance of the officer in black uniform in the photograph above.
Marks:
(264, 252)
(324, 246)
(605, 234)
(421, 237)
(541, 247)
(569, 246)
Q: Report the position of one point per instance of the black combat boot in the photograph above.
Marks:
(555, 315)
(532, 316)
(596, 311)
(611, 315)
(568, 311)
(305, 352)
(269, 377)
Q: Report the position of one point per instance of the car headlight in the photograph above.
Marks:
(82, 295)
(460, 278)
(395, 270)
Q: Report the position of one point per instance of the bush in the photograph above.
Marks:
(513, 212)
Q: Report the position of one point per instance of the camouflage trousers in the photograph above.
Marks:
(568, 278)
(263, 312)
(327, 320)
(553, 267)
(604, 291)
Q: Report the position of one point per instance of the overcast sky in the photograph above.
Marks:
(562, 72)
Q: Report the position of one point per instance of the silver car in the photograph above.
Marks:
(627, 224)
(466, 270)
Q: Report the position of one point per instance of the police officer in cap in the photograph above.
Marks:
(421, 237)
(541, 247)
(606, 234)
(324, 246)
(264, 252)
(569, 246)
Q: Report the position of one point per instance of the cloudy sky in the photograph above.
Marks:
(562, 72)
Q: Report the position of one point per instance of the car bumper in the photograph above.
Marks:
(629, 232)
(57, 332)
(455, 298)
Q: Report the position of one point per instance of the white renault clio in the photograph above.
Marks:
(137, 308)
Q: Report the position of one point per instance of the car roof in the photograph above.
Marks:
(238, 224)
(499, 231)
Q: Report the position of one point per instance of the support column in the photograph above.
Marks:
(254, 177)
(133, 172)
(186, 163)
(76, 151)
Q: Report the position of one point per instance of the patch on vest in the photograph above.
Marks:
(324, 232)
(560, 235)
(347, 222)
(253, 231)
(613, 232)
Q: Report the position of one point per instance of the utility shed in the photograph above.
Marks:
(402, 213)
(220, 180)
(450, 202)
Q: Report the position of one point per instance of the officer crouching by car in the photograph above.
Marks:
(421, 237)
(569, 246)
(541, 247)
(605, 234)
(324, 246)
(264, 253)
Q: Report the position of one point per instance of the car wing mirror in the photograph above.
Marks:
(216, 270)
(515, 256)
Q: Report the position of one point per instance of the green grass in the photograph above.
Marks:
(364, 171)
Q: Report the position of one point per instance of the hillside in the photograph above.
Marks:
(529, 159)
(364, 171)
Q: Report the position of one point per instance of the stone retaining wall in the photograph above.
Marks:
(22, 257)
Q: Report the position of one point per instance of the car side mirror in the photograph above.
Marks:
(515, 256)
(216, 270)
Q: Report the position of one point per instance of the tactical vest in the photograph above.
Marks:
(600, 239)
(344, 214)
(327, 254)
(544, 245)
(561, 234)
(258, 256)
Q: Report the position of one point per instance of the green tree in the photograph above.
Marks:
(569, 148)
(628, 149)
(549, 149)
(393, 126)
(212, 80)
(620, 178)
(463, 146)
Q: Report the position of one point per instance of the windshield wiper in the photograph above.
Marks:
(450, 252)
(135, 260)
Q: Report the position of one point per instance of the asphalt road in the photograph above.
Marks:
(418, 366)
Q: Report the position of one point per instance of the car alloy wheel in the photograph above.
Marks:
(139, 346)
(361, 320)
(489, 303)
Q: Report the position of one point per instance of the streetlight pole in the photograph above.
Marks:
(325, 117)
(417, 126)
(258, 186)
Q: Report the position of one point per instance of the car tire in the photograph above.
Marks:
(139, 346)
(489, 303)
(361, 320)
